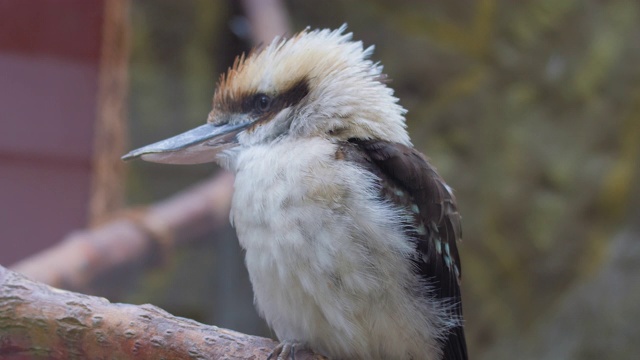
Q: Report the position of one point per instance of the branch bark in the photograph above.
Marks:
(41, 322)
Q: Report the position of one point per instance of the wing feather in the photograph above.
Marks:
(437, 226)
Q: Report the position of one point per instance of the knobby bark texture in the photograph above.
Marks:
(41, 322)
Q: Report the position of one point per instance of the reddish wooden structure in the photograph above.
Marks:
(50, 54)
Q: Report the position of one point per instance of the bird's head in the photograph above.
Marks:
(316, 84)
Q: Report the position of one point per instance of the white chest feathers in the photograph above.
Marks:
(327, 258)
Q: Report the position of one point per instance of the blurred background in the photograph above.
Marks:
(529, 109)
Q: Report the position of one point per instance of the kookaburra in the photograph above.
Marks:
(349, 232)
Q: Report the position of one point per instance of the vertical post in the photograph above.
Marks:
(110, 132)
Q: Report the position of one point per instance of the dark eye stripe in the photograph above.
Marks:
(246, 103)
(294, 94)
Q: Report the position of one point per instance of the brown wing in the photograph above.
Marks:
(408, 180)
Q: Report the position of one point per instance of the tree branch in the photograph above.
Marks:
(41, 322)
(132, 235)
(268, 19)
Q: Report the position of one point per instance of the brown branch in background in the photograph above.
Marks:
(268, 19)
(41, 322)
(85, 255)
(38, 321)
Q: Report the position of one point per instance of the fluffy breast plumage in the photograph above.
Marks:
(327, 258)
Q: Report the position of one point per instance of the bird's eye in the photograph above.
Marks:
(262, 103)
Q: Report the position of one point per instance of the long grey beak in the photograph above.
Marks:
(196, 146)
